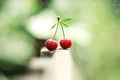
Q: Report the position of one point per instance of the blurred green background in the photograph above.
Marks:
(95, 50)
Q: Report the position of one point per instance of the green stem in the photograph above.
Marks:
(62, 30)
(58, 19)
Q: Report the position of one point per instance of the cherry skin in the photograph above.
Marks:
(51, 44)
(65, 43)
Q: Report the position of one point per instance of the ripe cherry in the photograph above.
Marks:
(51, 44)
(65, 43)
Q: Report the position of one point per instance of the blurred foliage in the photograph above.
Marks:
(115, 5)
(3, 77)
(2, 3)
(17, 45)
(100, 59)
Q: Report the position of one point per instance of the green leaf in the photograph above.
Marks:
(66, 25)
(53, 26)
(66, 20)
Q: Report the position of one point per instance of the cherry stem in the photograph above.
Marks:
(58, 19)
(62, 30)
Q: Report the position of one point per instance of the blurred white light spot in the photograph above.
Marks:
(18, 6)
(40, 25)
(62, 6)
(80, 34)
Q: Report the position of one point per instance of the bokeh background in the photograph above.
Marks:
(94, 30)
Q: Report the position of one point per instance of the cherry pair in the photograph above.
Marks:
(52, 44)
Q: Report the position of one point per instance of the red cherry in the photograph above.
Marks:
(65, 43)
(51, 44)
